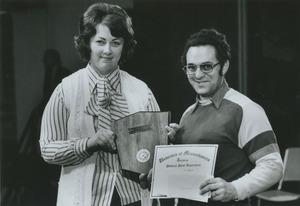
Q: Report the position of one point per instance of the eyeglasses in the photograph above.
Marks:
(205, 68)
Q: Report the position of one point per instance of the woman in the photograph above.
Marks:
(76, 131)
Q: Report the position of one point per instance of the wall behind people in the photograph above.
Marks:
(29, 43)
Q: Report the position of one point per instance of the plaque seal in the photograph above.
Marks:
(143, 155)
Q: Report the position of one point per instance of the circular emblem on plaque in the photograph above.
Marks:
(143, 155)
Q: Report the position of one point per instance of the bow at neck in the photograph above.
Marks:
(104, 90)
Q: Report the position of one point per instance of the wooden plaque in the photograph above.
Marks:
(137, 136)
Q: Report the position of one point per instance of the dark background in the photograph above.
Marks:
(265, 66)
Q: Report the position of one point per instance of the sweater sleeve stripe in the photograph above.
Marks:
(268, 149)
(260, 141)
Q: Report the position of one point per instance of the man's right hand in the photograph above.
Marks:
(103, 140)
(172, 130)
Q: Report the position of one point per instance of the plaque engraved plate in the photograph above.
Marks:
(142, 128)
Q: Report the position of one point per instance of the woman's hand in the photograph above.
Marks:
(172, 130)
(220, 189)
(103, 140)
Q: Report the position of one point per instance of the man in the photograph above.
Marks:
(248, 158)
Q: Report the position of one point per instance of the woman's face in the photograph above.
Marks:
(106, 50)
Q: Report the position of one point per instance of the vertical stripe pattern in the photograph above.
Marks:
(109, 104)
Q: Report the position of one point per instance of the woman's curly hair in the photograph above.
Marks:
(112, 16)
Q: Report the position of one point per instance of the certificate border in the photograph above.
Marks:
(215, 146)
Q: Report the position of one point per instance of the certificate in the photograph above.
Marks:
(178, 170)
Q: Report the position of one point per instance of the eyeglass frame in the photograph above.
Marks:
(187, 70)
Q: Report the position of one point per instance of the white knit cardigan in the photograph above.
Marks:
(75, 183)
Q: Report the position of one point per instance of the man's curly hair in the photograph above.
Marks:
(209, 37)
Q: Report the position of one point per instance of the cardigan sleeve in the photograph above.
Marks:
(56, 147)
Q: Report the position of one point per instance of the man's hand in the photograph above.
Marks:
(172, 130)
(220, 190)
(103, 140)
(145, 180)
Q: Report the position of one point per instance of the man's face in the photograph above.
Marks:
(205, 84)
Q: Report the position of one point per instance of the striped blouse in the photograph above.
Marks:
(57, 148)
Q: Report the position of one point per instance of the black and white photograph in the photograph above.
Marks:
(92, 90)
